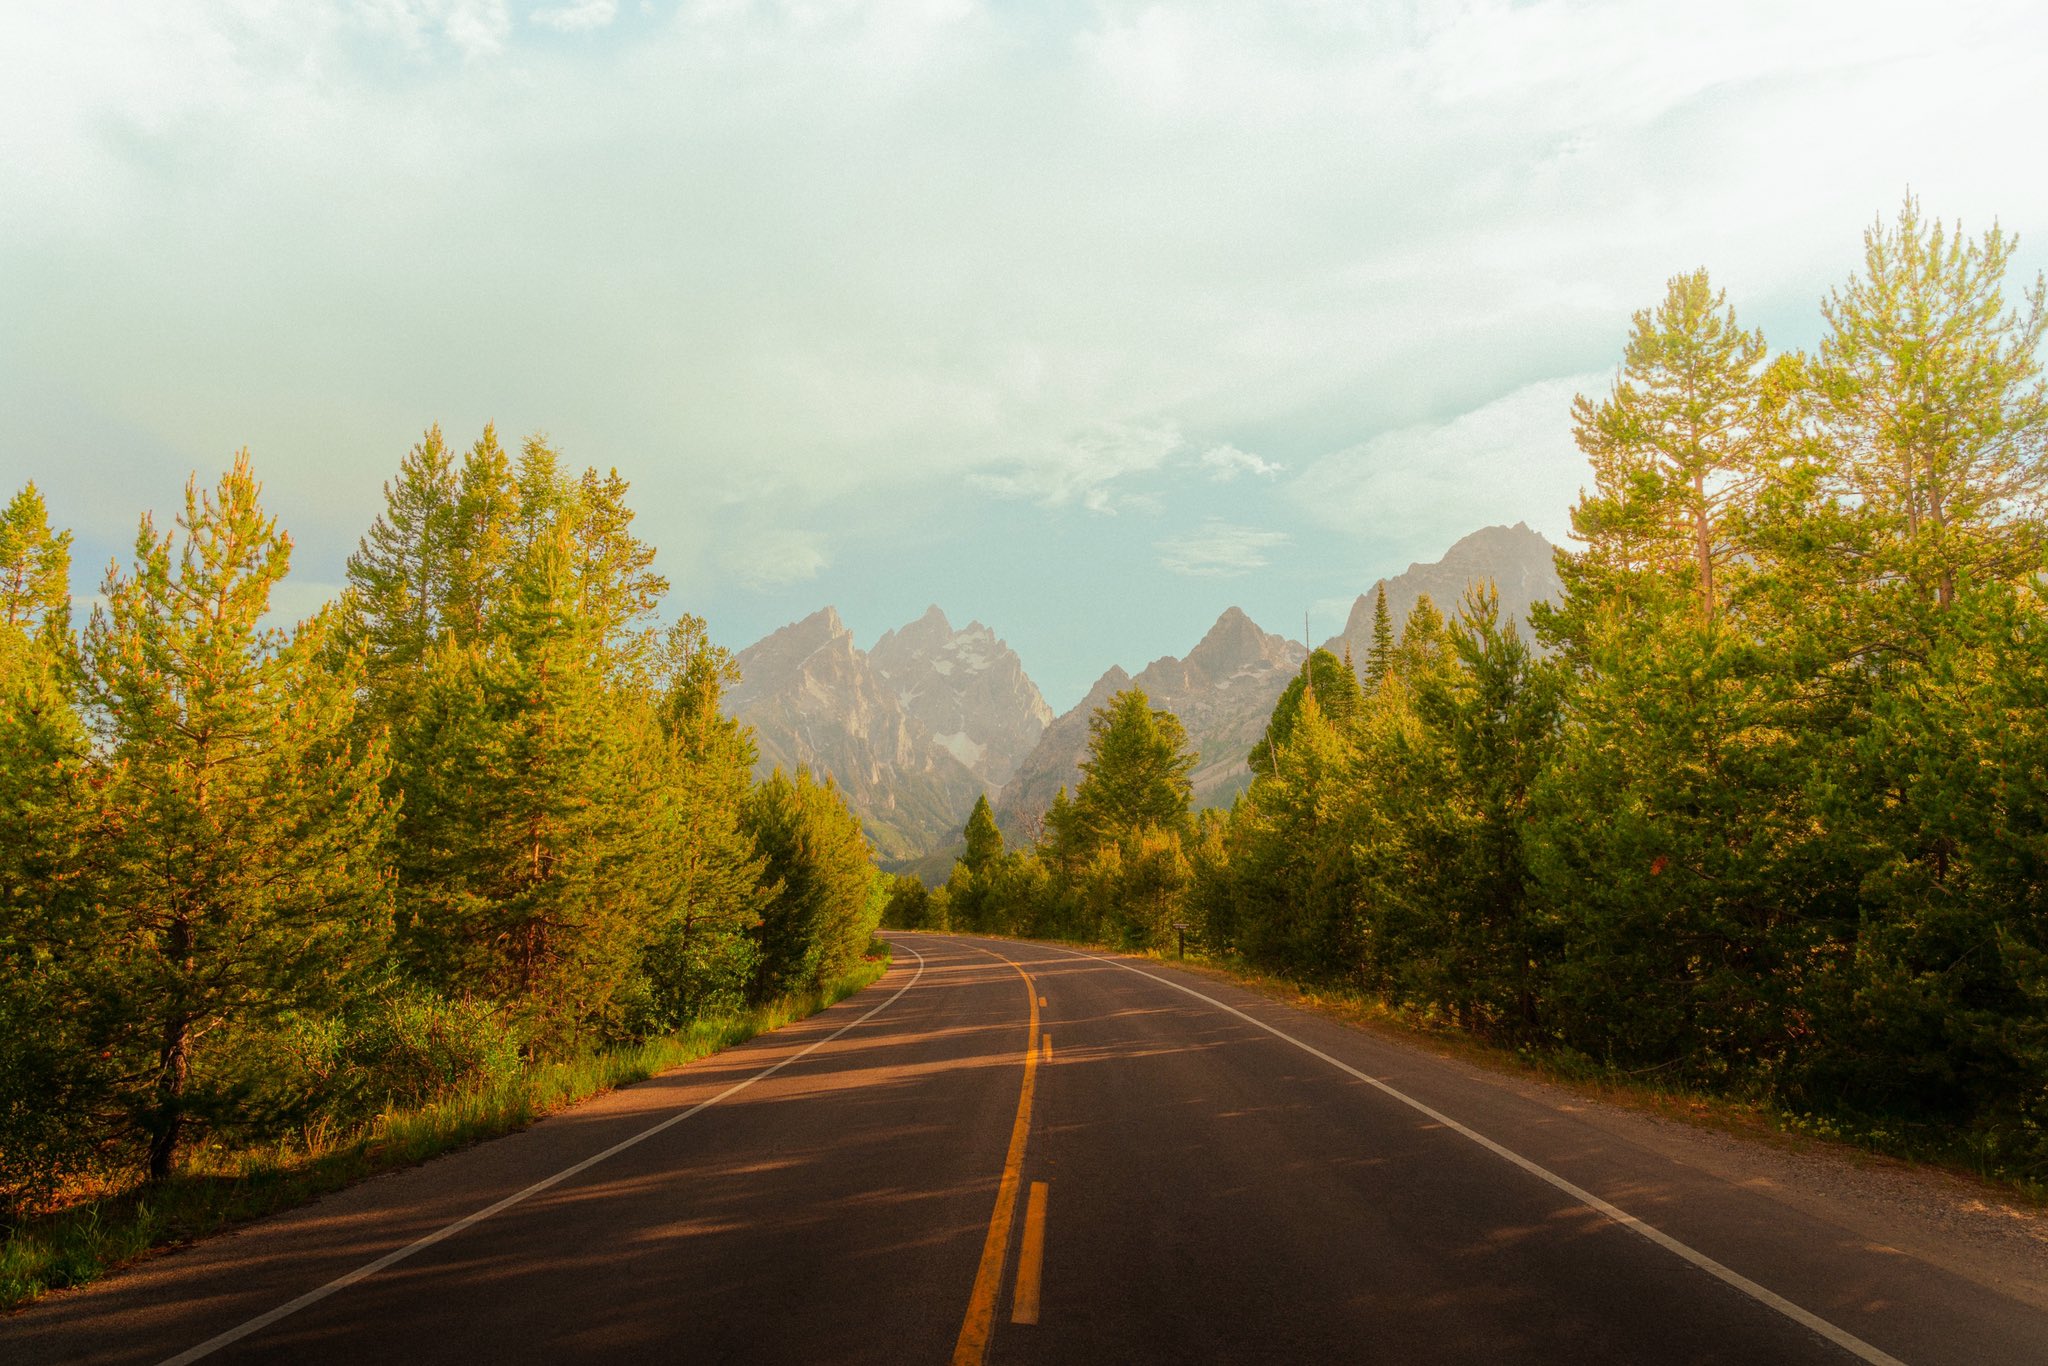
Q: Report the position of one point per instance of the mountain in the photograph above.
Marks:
(1223, 692)
(1522, 565)
(968, 689)
(816, 701)
(912, 731)
(916, 728)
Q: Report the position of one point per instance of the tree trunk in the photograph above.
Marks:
(1703, 547)
(173, 1065)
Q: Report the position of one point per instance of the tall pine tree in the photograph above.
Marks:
(243, 845)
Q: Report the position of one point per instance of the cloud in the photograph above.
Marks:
(1085, 469)
(1218, 550)
(1225, 463)
(775, 558)
(776, 259)
(1512, 459)
(578, 16)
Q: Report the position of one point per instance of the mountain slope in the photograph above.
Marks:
(1521, 564)
(815, 701)
(968, 689)
(1223, 692)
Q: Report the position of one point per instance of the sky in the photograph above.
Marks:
(1084, 320)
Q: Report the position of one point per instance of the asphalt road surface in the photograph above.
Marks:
(1014, 1152)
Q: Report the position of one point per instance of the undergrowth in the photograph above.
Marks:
(97, 1229)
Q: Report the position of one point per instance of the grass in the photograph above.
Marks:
(99, 1230)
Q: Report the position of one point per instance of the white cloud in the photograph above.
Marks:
(764, 255)
(1219, 550)
(578, 16)
(1084, 469)
(1225, 463)
(775, 558)
(1510, 460)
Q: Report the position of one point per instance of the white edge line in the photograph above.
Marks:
(368, 1269)
(1841, 1337)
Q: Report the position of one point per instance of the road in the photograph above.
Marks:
(1015, 1152)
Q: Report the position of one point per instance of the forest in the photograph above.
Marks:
(259, 882)
(1760, 807)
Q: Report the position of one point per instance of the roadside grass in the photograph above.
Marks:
(99, 1229)
(1753, 1116)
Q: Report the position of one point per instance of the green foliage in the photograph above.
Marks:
(1674, 451)
(400, 576)
(35, 570)
(241, 876)
(828, 894)
(911, 905)
(518, 841)
(1134, 777)
(207, 823)
(1767, 816)
(397, 1047)
(74, 1245)
(1930, 390)
(50, 1070)
(1336, 696)
(1379, 660)
(984, 841)
(1284, 890)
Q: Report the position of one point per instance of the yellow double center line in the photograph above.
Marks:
(981, 1305)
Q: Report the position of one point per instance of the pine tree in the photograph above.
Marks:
(828, 894)
(242, 855)
(570, 843)
(1915, 543)
(402, 570)
(1379, 659)
(1424, 644)
(1337, 696)
(1931, 391)
(706, 879)
(486, 508)
(1290, 885)
(984, 841)
(35, 569)
(525, 831)
(1674, 450)
(401, 577)
(1446, 879)
(51, 1078)
(616, 583)
(1136, 773)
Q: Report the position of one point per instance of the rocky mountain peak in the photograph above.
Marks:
(1516, 559)
(1223, 692)
(913, 730)
(968, 688)
(1235, 643)
(822, 624)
